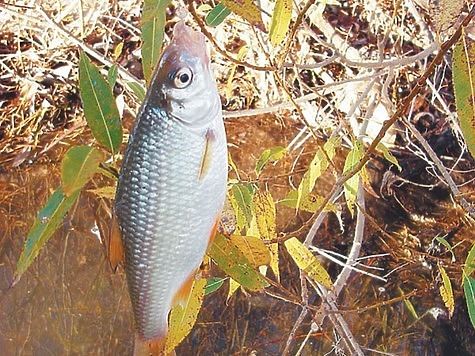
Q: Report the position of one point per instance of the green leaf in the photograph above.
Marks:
(409, 306)
(112, 76)
(233, 262)
(317, 167)
(469, 266)
(446, 244)
(351, 185)
(78, 166)
(446, 291)
(463, 71)
(48, 220)
(138, 90)
(100, 108)
(240, 197)
(272, 154)
(310, 202)
(213, 284)
(153, 27)
(183, 317)
(469, 291)
(253, 248)
(247, 10)
(307, 262)
(217, 15)
(280, 21)
(388, 155)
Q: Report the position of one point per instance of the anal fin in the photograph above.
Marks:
(183, 293)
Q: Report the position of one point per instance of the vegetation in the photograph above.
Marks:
(369, 94)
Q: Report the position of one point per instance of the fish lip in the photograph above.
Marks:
(188, 40)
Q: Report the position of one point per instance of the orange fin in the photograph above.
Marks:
(155, 347)
(183, 293)
(116, 249)
(207, 155)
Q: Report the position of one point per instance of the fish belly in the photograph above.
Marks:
(166, 213)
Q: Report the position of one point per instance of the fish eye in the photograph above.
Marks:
(183, 78)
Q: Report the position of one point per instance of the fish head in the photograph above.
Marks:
(183, 84)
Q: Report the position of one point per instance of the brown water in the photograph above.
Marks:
(70, 303)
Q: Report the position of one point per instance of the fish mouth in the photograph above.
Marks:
(188, 40)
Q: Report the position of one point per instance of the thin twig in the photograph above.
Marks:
(440, 166)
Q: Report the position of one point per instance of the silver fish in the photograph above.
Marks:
(172, 183)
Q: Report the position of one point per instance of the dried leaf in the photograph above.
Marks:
(351, 185)
(253, 248)
(272, 154)
(280, 21)
(235, 264)
(217, 15)
(153, 28)
(307, 262)
(446, 291)
(247, 10)
(79, 164)
(183, 318)
(445, 12)
(48, 220)
(100, 108)
(463, 69)
(229, 86)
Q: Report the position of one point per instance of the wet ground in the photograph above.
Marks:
(70, 303)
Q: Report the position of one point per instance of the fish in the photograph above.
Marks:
(172, 183)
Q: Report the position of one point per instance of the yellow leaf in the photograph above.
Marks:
(233, 287)
(317, 167)
(104, 192)
(229, 86)
(351, 185)
(118, 50)
(446, 291)
(307, 262)
(253, 248)
(264, 209)
(247, 10)
(280, 21)
(388, 155)
(310, 202)
(274, 260)
(183, 318)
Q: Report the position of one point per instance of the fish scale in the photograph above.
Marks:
(153, 207)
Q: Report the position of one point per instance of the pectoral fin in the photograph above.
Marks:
(207, 154)
(116, 249)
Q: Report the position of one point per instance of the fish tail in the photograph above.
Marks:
(154, 347)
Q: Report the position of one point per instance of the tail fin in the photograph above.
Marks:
(154, 347)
